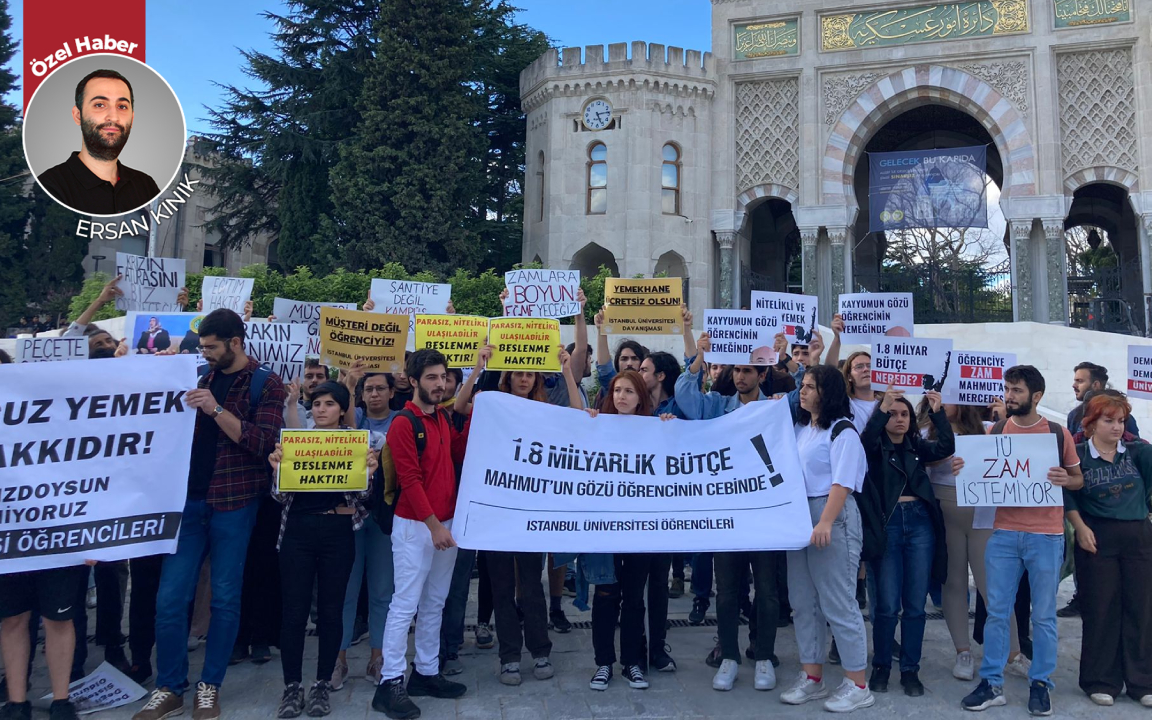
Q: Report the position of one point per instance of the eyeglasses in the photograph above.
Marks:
(862, 366)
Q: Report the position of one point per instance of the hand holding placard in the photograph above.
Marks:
(1017, 470)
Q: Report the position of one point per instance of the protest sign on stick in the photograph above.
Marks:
(51, 349)
(323, 461)
(149, 284)
(524, 344)
(457, 337)
(350, 335)
(1007, 471)
(793, 315)
(542, 293)
(1140, 371)
(93, 461)
(638, 306)
(409, 297)
(557, 480)
(280, 346)
(976, 377)
(912, 364)
(739, 337)
(868, 317)
(226, 292)
(288, 311)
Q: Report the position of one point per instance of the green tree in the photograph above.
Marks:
(52, 266)
(15, 201)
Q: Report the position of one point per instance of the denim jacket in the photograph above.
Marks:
(697, 405)
(591, 569)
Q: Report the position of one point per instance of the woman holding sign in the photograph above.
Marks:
(1113, 556)
(317, 548)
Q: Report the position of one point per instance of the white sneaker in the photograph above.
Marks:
(1102, 699)
(1020, 666)
(848, 697)
(339, 674)
(1146, 701)
(803, 690)
(726, 676)
(964, 668)
(765, 675)
(194, 641)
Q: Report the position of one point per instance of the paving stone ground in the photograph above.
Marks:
(252, 691)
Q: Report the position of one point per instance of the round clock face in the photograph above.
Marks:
(597, 115)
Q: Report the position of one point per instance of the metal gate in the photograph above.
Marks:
(953, 295)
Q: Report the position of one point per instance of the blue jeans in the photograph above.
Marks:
(452, 621)
(1008, 554)
(222, 536)
(901, 585)
(374, 550)
(702, 576)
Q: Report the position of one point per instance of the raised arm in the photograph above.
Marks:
(463, 404)
(580, 346)
(689, 342)
(833, 358)
(566, 361)
(109, 292)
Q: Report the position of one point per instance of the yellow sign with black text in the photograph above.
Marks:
(643, 306)
(323, 460)
(457, 337)
(349, 335)
(524, 344)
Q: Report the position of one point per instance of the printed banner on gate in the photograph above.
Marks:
(636, 306)
(226, 292)
(739, 337)
(977, 377)
(927, 189)
(457, 337)
(51, 349)
(556, 480)
(793, 315)
(280, 346)
(150, 284)
(1007, 470)
(1140, 371)
(93, 461)
(912, 364)
(871, 316)
(542, 293)
(524, 344)
(350, 335)
(323, 461)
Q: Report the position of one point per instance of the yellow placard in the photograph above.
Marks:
(457, 337)
(643, 306)
(524, 344)
(323, 460)
(349, 335)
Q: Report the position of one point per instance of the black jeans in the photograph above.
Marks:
(678, 560)
(111, 586)
(316, 549)
(483, 589)
(656, 565)
(502, 569)
(260, 596)
(730, 574)
(623, 600)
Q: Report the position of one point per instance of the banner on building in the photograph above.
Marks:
(928, 189)
(409, 297)
(226, 292)
(542, 293)
(149, 284)
(1140, 371)
(871, 316)
(93, 461)
(793, 315)
(350, 335)
(279, 346)
(977, 377)
(289, 311)
(556, 480)
(740, 337)
(51, 349)
(524, 344)
(915, 365)
(323, 461)
(1007, 471)
(638, 306)
(457, 337)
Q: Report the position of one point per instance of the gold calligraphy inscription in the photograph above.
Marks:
(1078, 13)
(926, 23)
(767, 39)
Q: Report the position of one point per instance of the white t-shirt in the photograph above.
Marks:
(841, 464)
(861, 411)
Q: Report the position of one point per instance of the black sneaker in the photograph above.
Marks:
(699, 608)
(878, 681)
(291, 702)
(635, 677)
(601, 678)
(834, 653)
(140, 673)
(16, 711)
(64, 710)
(910, 681)
(114, 656)
(318, 702)
(559, 622)
(239, 654)
(436, 686)
(261, 654)
(984, 696)
(714, 658)
(1072, 609)
(392, 699)
(750, 651)
(1039, 702)
(661, 661)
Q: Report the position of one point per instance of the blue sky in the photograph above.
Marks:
(194, 44)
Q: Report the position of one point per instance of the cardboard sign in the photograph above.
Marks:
(542, 293)
(524, 344)
(349, 335)
(105, 688)
(288, 311)
(912, 364)
(1140, 371)
(280, 346)
(226, 292)
(1007, 471)
(457, 337)
(977, 377)
(739, 337)
(149, 284)
(51, 349)
(411, 298)
(643, 306)
(323, 461)
(793, 315)
(871, 316)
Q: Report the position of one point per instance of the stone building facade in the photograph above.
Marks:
(770, 131)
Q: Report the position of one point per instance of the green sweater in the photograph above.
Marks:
(1116, 490)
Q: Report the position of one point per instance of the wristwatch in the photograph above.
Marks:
(217, 411)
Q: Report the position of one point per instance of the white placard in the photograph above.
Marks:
(911, 364)
(794, 315)
(1007, 470)
(740, 337)
(226, 292)
(280, 346)
(556, 480)
(103, 689)
(93, 461)
(51, 349)
(294, 311)
(868, 317)
(1140, 371)
(976, 377)
(542, 293)
(411, 298)
(149, 284)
